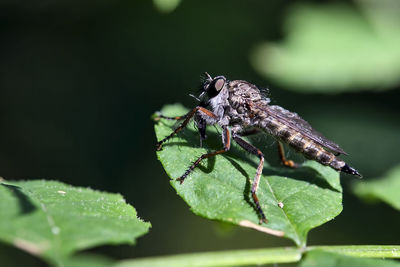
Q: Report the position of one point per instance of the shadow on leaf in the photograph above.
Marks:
(303, 173)
(247, 187)
(25, 203)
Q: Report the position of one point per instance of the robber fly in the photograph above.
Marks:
(240, 109)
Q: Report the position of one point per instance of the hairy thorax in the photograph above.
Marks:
(242, 97)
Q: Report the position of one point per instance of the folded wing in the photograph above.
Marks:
(295, 122)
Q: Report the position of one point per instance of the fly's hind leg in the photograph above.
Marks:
(286, 162)
(255, 151)
(226, 140)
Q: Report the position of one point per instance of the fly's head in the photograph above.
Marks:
(212, 87)
(214, 96)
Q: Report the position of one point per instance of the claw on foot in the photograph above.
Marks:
(158, 147)
(291, 164)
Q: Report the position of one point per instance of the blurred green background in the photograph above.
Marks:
(80, 80)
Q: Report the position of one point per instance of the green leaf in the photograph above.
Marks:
(166, 6)
(328, 259)
(220, 188)
(223, 258)
(333, 48)
(384, 189)
(52, 220)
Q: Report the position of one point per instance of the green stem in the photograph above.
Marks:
(223, 258)
(367, 251)
(259, 256)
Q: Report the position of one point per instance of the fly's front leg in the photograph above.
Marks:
(286, 162)
(188, 116)
(226, 140)
(177, 118)
(255, 151)
(201, 127)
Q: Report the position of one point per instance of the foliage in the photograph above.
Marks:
(225, 258)
(385, 189)
(328, 259)
(166, 6)
(328, 48)
(315, 256)
(341, 48)
(220, 188)
(53, 220)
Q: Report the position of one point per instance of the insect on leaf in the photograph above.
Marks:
(294, 201)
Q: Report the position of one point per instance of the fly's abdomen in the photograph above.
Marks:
(301, 143)
(312, 150)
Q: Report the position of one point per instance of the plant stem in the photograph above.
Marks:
(367, 251)
(223, 258)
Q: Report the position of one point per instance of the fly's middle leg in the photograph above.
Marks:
(286, 162)
(226, 140)
(255, 151)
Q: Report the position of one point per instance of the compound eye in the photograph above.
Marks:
(219, 84)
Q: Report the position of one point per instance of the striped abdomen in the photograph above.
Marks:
(309, 148)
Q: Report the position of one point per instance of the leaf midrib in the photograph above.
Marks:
(55, 237)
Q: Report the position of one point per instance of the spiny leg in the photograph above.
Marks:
(200, 123)
(286, 162)
(201, 128)
(177, 118)
(226, 140)
(255, 151)
(187, 117)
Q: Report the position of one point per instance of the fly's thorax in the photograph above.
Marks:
(219, 103)
(245, 89)
(241, 93)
